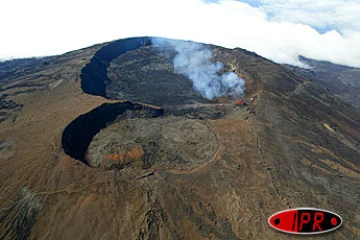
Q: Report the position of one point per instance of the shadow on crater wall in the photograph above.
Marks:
(95, 79)
(94, 75)
(78, 135)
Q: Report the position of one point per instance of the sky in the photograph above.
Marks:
(280, 30)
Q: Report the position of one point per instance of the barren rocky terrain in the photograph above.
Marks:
(108, 142)
(340, 80)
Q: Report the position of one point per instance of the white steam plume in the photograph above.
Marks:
(194, 60)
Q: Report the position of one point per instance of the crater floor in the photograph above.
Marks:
(161, 143)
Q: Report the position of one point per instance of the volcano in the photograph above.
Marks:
(111, 142)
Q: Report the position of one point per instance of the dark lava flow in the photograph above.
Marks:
(129, 69)
(78, 135)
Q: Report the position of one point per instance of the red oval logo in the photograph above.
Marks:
(305, 221)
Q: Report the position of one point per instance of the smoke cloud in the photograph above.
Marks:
(195, 61)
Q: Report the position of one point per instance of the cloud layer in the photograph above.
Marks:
(277, 29)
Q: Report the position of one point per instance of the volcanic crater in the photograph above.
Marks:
(156, 118)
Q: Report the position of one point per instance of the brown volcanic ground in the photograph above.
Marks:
(168, 164)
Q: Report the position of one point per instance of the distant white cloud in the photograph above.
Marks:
(277, 29)
(323, 14)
